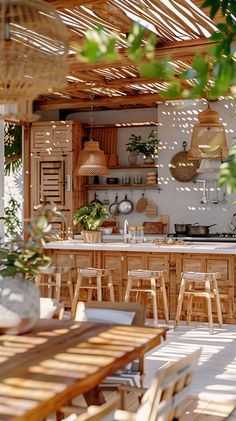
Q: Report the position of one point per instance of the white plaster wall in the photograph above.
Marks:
(179, 200)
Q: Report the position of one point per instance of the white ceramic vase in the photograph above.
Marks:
(19, 305)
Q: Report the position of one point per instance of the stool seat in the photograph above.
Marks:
(157, 280)
(91, 279)
(190, 288)
(51, 277)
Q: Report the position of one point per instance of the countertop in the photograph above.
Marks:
(196, 247)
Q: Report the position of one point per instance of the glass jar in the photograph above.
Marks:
(132, 234)
(139, 234)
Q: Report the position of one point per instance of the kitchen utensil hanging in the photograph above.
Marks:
(114, 207)
(151, 210)
(141, 204)
(181, 168)
(96, 200)
(125, 206)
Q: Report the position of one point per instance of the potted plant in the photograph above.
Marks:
(149, 148)
(134, 148)
(20, 261)
(90, 217)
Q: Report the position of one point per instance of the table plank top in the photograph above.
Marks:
(58, 360)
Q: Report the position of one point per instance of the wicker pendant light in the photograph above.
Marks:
(208, 138)
(33, 55)
(91, 159)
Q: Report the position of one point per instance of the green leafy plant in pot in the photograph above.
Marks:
(149, 148)
(20, 261)
(134, 148)
(90, 217)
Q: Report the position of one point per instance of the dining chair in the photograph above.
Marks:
(117, 313)
(51, 309)
(162, 401)
(103, 412)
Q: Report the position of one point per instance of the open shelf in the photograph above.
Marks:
(130, 167)
(121, 186)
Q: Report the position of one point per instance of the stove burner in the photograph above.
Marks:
(226, 235)
(216, 235)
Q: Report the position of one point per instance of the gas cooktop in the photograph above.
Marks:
(229, 237)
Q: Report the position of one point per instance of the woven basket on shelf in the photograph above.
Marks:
(91, 236)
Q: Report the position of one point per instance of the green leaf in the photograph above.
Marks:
(173, 90)
(159, 70)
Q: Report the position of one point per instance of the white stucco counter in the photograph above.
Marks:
(209, 248)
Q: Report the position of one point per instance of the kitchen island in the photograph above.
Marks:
(172, 257)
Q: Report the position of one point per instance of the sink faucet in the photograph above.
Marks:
(126, 238)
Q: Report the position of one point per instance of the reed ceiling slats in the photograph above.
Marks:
(182, 29)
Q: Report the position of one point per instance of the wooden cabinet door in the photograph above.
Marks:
(51, 182)
(51, 138)
(114, 260)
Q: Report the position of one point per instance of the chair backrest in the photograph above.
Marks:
(103, 412)
(137, 308)
(170, 387)
(51, 309)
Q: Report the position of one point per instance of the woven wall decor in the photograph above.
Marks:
(33, 55)
(181, 168)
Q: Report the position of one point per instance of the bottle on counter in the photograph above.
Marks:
(139, 234)
(132, 235)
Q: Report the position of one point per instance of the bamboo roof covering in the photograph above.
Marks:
(182, 29)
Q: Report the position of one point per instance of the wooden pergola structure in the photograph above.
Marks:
(182, 29)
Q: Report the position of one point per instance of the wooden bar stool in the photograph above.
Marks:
(199, 284)
(157, 280)
(91, 279)
(51, 278)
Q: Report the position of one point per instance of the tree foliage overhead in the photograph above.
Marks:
(13, 147)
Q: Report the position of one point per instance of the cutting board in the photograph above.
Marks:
(153, 227)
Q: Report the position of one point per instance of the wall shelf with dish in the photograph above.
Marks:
(121, 186)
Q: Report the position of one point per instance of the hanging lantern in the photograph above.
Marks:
(91, 159)
(208, 138)
(33, 55)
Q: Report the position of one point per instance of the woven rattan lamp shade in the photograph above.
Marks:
(91, 160)
(33, 54)
(208, 138)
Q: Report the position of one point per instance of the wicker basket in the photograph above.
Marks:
(92, 236)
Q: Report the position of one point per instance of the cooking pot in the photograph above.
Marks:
(196, 229)
(125, 206)
(114, 207)
(182, 229)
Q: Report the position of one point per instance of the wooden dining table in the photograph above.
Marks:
(58, 360)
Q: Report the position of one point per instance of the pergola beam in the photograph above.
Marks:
(70, 4)
(120, 101)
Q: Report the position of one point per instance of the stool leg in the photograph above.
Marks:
(129, 286)
(180, 303)
(209, 308)
(189, 309)
(58, 286)
(218, 305)
(164, 296)
(110, 287)
(50, 287)
(76, 295)
(70, 286)
(154, 298)
(99, 287)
